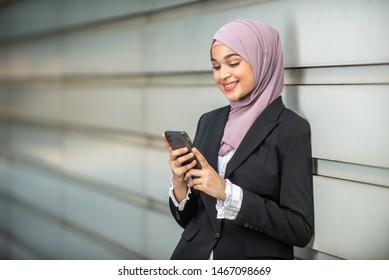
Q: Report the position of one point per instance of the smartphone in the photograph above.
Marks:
(180, 139)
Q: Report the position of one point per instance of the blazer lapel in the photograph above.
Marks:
(210, 145)
(215, 131)
(260, 129)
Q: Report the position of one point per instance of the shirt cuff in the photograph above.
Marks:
(229, 208)
(179, 205)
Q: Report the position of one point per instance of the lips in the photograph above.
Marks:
(230, 86)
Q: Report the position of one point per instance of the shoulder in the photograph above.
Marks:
(290, 127)
(290, 119)
(207, 117)
(287, 120)
(293, 131)
(215, 113)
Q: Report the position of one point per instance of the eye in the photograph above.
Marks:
(216, 68)
(234, 64)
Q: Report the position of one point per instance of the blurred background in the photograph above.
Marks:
(87, 87)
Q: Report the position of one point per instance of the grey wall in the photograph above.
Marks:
(87, 87)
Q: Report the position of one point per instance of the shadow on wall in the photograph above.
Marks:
(291, 49)
(293, 79)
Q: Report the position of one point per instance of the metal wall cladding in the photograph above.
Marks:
(86, 91)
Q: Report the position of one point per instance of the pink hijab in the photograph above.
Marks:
(259, 44)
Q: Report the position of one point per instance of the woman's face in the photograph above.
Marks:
(233, 75)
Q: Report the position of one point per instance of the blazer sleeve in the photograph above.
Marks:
(290, 219)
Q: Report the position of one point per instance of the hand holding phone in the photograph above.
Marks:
(180, 139)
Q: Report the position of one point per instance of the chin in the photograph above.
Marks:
(233, 97)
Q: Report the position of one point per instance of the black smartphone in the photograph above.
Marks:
(180, 139)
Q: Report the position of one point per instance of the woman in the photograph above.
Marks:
(253, 198)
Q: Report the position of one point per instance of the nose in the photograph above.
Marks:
(224, 73)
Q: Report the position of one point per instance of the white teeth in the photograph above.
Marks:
(229, 85)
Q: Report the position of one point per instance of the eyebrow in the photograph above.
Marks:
(227, 56)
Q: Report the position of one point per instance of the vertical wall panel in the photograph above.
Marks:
(4, 64)
(364, 233)
(157, 175)
(30, 16)
(114, 220)
(166, 229)
(42, 236)
(4, 252)
(43, 15)
(76, 247)
(35, 58)
(103, 160)
(97, 50)
(39, 144)
(36, 189)
(4, 219)
(114, 106)
(4, 174)
(336, 112)
(38, 101)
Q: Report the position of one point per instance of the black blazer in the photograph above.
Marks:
(273, 166)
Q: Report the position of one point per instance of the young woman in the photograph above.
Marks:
(253, 197)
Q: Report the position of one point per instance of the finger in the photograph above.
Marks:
(199, 187)
(164, 137)
(177, 164)
(195, 181)
(184, 158)
(173, 153)
(167, 145)
(193, 172)
(196, 184)
(178, 153)
(200, 157)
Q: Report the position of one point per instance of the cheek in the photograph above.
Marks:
(250, 81)
(247, 85)
(215, 77)
(248, 75)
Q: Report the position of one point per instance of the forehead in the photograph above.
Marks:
(220, 51)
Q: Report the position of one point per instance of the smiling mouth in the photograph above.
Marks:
(230, 86)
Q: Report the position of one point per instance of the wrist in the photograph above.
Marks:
(224, 185)
(179, 192)
(179, 184)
